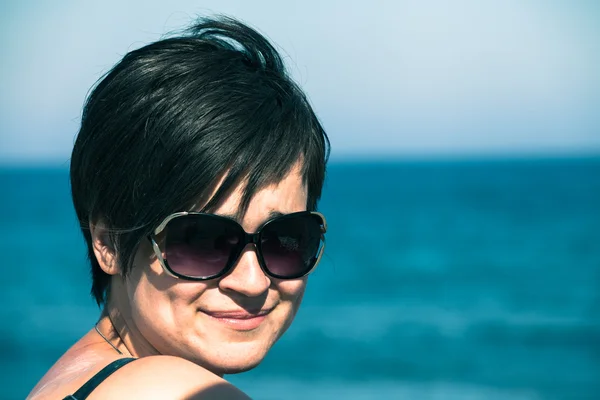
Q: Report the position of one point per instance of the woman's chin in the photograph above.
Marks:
(229, 354)
(236, 367)
(233, 359)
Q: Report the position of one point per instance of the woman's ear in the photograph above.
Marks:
(104, 249)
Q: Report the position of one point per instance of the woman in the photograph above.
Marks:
(195, 176)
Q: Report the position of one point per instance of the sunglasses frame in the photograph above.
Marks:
(249, 238)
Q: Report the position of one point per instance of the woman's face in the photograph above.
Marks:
(189, 319)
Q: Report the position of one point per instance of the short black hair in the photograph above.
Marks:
(172, 118)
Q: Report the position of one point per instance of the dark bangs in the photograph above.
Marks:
(174, 118)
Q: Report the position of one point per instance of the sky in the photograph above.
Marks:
(387, 78)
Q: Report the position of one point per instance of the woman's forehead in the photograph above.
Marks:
(291, 186)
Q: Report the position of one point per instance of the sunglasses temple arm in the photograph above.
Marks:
(158, 254)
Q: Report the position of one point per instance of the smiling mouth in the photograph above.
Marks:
(239, 320)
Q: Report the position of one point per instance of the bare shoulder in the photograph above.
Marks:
(166, 377)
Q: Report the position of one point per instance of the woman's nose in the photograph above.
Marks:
(246, 276)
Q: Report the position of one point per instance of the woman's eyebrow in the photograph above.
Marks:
(236, 217)
(274, 214)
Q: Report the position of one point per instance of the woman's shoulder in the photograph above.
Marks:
(152, 377)
(165, 377)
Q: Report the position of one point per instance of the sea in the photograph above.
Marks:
(442, 279)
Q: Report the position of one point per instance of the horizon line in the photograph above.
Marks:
(377, 158)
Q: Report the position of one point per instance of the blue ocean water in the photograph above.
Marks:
(441, 280)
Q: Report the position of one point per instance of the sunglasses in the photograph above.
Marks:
(199, 246)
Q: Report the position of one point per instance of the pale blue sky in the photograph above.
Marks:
(387, 78)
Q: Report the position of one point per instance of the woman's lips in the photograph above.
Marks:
(239, 320)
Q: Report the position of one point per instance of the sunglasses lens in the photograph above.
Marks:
(290, 245)
(200, 246)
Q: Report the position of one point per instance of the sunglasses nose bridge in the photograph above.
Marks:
(254, 240)
(250, 238)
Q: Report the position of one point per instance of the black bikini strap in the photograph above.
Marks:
(97, 379)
